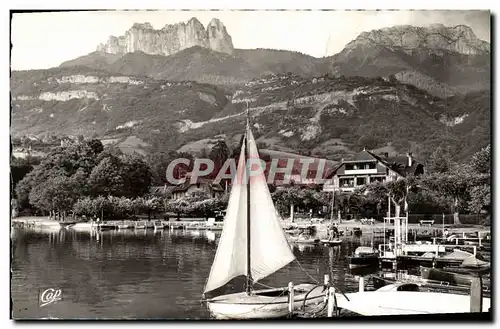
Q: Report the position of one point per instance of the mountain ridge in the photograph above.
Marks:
(376, 95)
(170, 39)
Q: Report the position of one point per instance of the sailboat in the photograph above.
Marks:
(254, 244)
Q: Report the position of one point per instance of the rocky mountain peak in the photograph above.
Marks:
(171, 39)
(218, 37)
(436, 37)
(143, 26)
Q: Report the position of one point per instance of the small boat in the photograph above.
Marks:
(364, 257)
(140, 225)
(385, 279)
(302, 239)
(265, 303)
(331, 242)
(453, 278)
(429, 259)
(84, 226)
(125, 225)
(294, 231)
(158, 225)
(106, 227)
(405, 299)
(307, 241)
(253, 243)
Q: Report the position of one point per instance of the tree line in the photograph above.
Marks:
(86, 179)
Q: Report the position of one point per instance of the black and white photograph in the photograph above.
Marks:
(250, 165)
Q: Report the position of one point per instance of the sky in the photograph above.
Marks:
(44, 40)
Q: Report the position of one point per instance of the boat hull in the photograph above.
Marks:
(375, 303)
(426, 285)
(429, 273)
(331, 242)
(309, 241)
(363, 261)
(261, 304)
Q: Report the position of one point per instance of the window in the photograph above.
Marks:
(360, 181)
(197, 185)
(346, 182)
(372, 165)
(349, 166)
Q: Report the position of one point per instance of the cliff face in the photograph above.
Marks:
(218, 37)
(171, 39)
(435, 38)
(440, 59)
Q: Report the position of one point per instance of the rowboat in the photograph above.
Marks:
(253, 244)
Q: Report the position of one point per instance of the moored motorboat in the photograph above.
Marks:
(331, 242)
(406, 299)
(384, 279)
(364, 257)
(429, 259)
(453, 278)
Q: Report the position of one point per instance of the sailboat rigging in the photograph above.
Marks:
(253, 244)
(249, 245)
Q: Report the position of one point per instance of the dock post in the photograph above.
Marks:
(361, 283)
(290, 298)
(476, 295)
(331, 301)
(327, 279)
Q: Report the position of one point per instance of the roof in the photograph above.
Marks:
(187, 183)
(397, 164)
(157, 189)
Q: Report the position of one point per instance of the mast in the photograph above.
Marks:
(249, 271)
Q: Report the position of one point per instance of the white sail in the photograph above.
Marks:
(269, 249)
(230, 258)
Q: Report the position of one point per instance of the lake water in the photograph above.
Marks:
(141, 275)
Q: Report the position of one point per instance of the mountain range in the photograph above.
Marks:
(396, 89)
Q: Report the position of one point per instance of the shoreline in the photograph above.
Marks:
(320, 227)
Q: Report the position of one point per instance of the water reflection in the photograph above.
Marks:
(141, 273)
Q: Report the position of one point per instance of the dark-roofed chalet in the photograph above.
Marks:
(367, 167)
(202, 185)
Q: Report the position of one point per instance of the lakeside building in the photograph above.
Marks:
(202, 186)
(366, 167)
